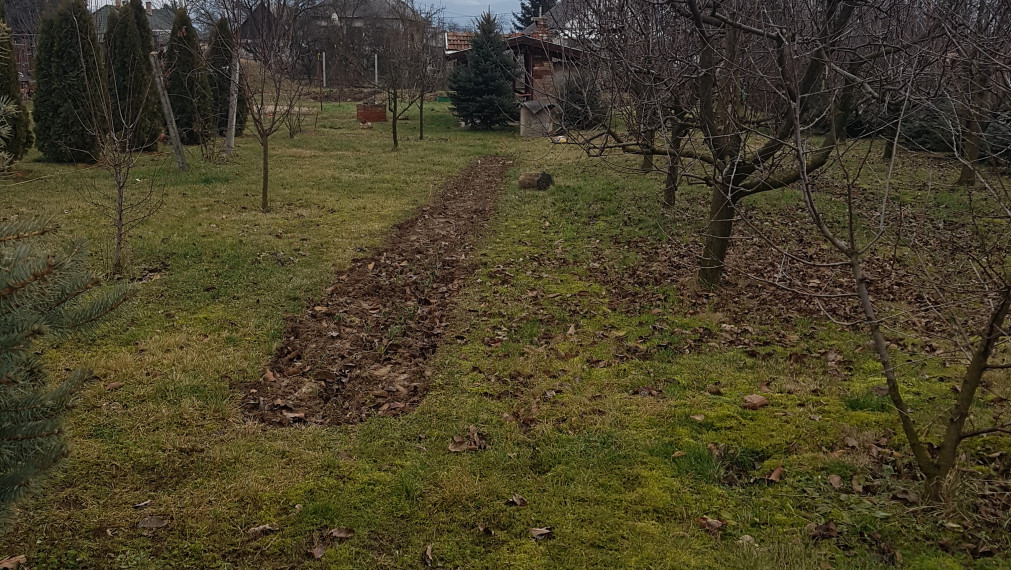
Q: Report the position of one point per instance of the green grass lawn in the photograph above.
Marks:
(540, 359)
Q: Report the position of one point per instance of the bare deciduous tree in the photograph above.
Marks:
(120, 146)
(705, 84)
(750, 97)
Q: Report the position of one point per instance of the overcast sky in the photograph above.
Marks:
(464, 11)
(461, 12)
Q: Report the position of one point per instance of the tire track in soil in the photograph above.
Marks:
(363, 351)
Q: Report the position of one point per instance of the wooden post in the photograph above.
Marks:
(233, 102)
(170, 120)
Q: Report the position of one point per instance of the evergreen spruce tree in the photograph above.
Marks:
(20, 138)
(582, 106)
(68, 76)
(481, 89)
(132, 96)
(188, 89)
(530, 9)
(44, 294)
(220, 64)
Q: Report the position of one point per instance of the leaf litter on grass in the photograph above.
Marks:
(363, 350)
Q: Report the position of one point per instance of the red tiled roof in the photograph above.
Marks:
(458, 41)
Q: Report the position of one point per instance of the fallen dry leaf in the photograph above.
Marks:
(679, 454)
(143, 504)
(426, 556)
(835, 481)
(850, 442)
(648, 391)
(13, 562)
(318, 552)
(153, 521)
(777, 475)
(341, 533)
(906, 496)
(857, 487)
(262, 529)
(517, 501)
(712, 526)
(754, 402)
(714, 390)
(698, 417)
(473, 441)
(822, 531)
(540, 533)
(113, 386)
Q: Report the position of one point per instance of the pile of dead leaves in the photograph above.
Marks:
(363, 350)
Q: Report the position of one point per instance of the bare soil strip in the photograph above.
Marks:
(363, 351)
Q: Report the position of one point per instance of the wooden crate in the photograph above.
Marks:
(371, 113)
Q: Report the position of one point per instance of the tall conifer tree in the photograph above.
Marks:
(132, 95)
(188, 88)
(220, 66)
(68, 78)
(21, 137)
(481, 90)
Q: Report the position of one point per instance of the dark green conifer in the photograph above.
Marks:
(220, 66)
(68, 85)
(45, 294)
(133, 100)
(530, 9)
(187, 85)
(20, 138)
(481, 89)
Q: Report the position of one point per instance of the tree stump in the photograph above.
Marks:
(535, 180)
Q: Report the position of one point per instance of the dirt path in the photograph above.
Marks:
(363, 351)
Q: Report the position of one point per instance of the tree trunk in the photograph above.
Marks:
(970, 152)
(396, 141)
(947, 455)
(670, 186)
(647, 158)
(266, 171)
(166, 106)
(840, 118)
(117, 262)
(394, 105)
(233, 106)
(889, 149)
(923, 460)
(421, 118)
(721, 225)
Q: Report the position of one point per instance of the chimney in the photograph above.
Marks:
(149, 7)
(541, 29)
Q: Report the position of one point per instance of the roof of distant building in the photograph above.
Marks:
(160, 20)
(458, 41)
